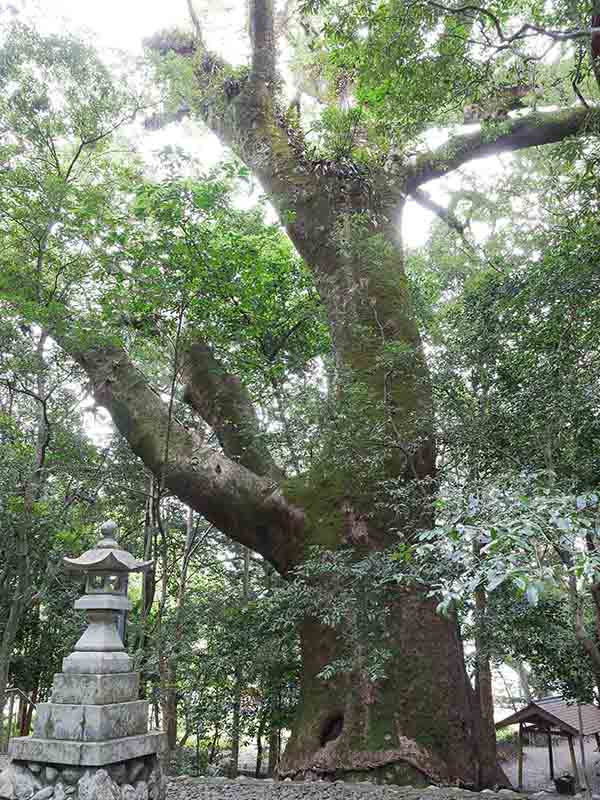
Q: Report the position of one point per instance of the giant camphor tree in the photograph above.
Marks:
(420, 721)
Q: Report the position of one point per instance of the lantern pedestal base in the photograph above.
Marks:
(90, 689)
(137, 778)
(87, 754)
(94, 662)
(91, 723)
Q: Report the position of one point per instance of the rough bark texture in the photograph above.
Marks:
(416, 727)
(222, 400)
(422, 723)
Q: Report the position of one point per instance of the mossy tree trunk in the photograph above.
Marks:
(421, 723)
(417, 726)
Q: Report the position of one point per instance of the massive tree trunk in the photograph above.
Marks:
(421, 723)
(417, 726)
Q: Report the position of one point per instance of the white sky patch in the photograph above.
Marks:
(120, 24)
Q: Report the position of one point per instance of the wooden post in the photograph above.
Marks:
(520, 778)
(11, 711)
(584, 782)
(574, 762)
(550, 756)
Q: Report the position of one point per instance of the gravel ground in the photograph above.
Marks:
(249, 789)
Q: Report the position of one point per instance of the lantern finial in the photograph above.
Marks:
(109, 535)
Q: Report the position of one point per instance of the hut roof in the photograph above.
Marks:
(554, 713)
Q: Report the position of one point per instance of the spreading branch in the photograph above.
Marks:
(247, 507)
(531, 130)
(163, 118)
(223, 402)
(445, 214)
(526, 31)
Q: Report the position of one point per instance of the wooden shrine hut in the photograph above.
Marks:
(552, 716)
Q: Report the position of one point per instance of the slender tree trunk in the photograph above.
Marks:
(523, 681)
(29, 712)
(259, 741)
(214, 745)
(484, 687)
(33, 489)
(235, 725)
(274, 751)
(239, 675)
(169, 704)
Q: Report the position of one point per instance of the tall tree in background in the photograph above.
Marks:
(419, 721)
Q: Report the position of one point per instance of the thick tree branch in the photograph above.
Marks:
(515, 134)
(223, 402)
(445, 214)
(246, 507)
(245, 114)
(195, 20)
(162, 119)
(284, 17)
(595, 41)
(527, 30)
(262, 38)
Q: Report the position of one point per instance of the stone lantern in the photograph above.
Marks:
(106, 567)
(91, 741)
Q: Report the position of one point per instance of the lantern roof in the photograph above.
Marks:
(107, 556)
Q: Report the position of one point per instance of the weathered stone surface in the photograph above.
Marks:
(98, 785)
(70, 776)
(26, 783)
(118, 773)
(59, 791)
(7, 784)
(106, 602)
(118, 687)
(135, 770)
(91, 723)
(44, 794)
(89, 754)
(50, 774)
(157, 786)
(96, 662)
(141, 791)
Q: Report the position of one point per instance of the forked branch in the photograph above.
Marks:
(531, 130)
(243, 505)
(445, 214)
(224, 403)
(525, 31)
